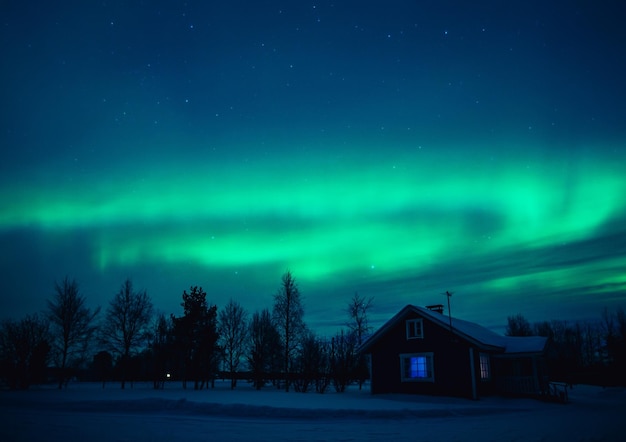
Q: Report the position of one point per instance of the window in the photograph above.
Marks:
(417, 367)
(485, 369)
(414, 329)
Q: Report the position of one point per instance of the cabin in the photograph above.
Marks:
(422, 351)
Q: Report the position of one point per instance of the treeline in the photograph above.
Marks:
(591, 352)
(128, 342)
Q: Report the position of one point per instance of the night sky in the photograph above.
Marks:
(397, 149)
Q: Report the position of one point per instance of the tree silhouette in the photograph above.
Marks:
(196, 335)
(312, 364)
(102, 366)
(126, 326)
(161, 351)
(264, 352)
(518, 325)
(288, 315)
(614, 330)
(233, 326)
(358, 308)
(342, 359)
(24, 351)
(71, 326)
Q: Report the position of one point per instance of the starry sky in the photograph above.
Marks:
(396, 149)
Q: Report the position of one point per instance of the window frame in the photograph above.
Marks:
(430, 367)
(410, 327)
(484, 363)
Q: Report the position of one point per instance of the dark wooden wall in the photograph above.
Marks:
(451, 361)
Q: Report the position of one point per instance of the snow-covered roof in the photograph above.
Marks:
(470, 331)
(525, 344)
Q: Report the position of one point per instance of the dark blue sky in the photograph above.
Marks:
(397, 149)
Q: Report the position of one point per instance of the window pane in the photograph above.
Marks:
(414, 329)
(484, 367)
(419, 367)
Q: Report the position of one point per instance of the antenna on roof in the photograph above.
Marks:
(449, 295)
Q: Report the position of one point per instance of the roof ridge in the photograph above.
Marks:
(470, 331)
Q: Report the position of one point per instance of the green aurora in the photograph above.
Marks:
(396, 151)
(343, 219)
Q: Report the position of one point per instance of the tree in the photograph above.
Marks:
(233, 325)
(24, 350)
(127, 324)
(264, 348)
(359, 328)
(102, 366)
(72, 326)
(161, 351)
(564, 354)
(312, 364)
(357, 310)
(591, 344)
(614, 331)
(518, 325)
(342, 359)
(288, 315)
(197, 336)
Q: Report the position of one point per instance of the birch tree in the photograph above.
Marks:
(288, 315)
(233, 326)
(127, 324)
(71, 327)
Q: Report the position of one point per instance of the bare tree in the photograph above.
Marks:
(288, 315)
(233, 326)
(518, 325)
(614, 331)
(312, 364)
(72, 326)
(264, 348)
(357, 310)
(342, 359)
(127, 323)
(592, 344)
(24, 350)
(161, 350)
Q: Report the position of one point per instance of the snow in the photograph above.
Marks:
(86, 412)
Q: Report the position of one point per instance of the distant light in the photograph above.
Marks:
(168, 375)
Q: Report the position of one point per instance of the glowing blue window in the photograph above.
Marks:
(417, 367)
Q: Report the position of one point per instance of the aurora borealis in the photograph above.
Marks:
(397, 150)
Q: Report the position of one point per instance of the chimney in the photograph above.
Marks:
(435, 308)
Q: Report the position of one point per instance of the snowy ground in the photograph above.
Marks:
(86, 412)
